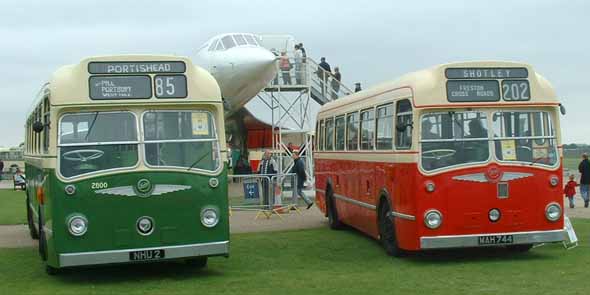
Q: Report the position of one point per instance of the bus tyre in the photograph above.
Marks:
(198, 262)
(387, 231)
(50, 270)
(520, 248)
(333, 220)
(32, 230)
(42, 238)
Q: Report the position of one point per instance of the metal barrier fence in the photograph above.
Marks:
(266, 193)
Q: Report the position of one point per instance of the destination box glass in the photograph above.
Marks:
(473, 90)
(120, 87)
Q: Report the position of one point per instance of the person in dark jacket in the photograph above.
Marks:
(584, 169)
(323, 75)
(299, 169)
(267, 167)
(336, 82)
(1, 168)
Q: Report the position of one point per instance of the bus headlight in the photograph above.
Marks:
(430, 187)
(77, 225)
(209, 217)
(494, 215)
(554, 181)
(432, 219)
(553, 212)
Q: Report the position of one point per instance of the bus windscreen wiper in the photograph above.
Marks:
(198, 160)
(91, 126)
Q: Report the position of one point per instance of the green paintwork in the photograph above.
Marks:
(112, 218)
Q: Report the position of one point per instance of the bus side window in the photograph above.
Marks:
(352, 131)
(321, 136)
(385, 127)
(46, 122)
(403, 125)
(329, 134)
(368, 129)
(340, 129)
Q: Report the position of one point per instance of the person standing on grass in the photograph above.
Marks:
(267, 167)
(584, 169)
(299, 170)
(1, 168)
(570, 190)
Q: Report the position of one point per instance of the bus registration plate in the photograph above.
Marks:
(145, 255)
(496, 240)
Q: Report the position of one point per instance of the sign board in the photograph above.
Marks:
(200, 124)
(136, 67)
(516, 90)
(251, 190)
(170, 86)
(120, 87)
(486, 73)
(473, 90)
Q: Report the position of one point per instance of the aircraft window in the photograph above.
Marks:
(228, 42)
(251, 40)
(212, 46)
(240, 40)
(219, 46)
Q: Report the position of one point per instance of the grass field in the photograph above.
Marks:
(12, 207)
(571, 163)
(319, 261)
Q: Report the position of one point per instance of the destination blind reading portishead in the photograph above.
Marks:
(133, 85)
(482, 85)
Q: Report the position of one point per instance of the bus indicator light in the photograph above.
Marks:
(494, 215)
(430, 187)
(70, 189)
(209, 217)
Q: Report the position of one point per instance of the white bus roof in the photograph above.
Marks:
(428, 88)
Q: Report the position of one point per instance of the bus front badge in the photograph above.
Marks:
(144, 187)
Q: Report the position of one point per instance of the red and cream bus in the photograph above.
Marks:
(459, 155)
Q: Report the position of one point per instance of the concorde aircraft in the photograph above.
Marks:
(240, 65)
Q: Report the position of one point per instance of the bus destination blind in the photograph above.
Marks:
(473, 90)
(120, 87)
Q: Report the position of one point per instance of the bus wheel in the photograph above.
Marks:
(32, 230)
(387, 232)
(520, 248)
(42, 238)
(51, 270)
(198, 262)
(333, 220)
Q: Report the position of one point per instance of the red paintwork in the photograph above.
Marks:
(463, 204)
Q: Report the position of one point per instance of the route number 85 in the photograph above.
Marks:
(165, 86)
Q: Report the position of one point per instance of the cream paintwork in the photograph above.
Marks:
(68, 92)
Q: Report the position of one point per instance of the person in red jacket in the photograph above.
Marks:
(570, 190)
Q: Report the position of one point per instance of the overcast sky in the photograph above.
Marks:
(371, 41)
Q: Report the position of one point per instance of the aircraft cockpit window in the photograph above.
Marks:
(240, 40)
(251, 40)
(212, 46)
(228, 42)
(219, 46)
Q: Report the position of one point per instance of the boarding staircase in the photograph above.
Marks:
(293, 99)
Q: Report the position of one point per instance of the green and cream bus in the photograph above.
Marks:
(126, 162)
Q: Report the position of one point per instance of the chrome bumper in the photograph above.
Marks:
(461, 241)
(122, 256)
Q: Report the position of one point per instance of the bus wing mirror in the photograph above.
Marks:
(38, 127)
(562, 109)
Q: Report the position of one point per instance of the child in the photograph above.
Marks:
(570, 190)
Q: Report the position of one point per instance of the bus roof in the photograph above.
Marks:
(428, 88)
(69, 85)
